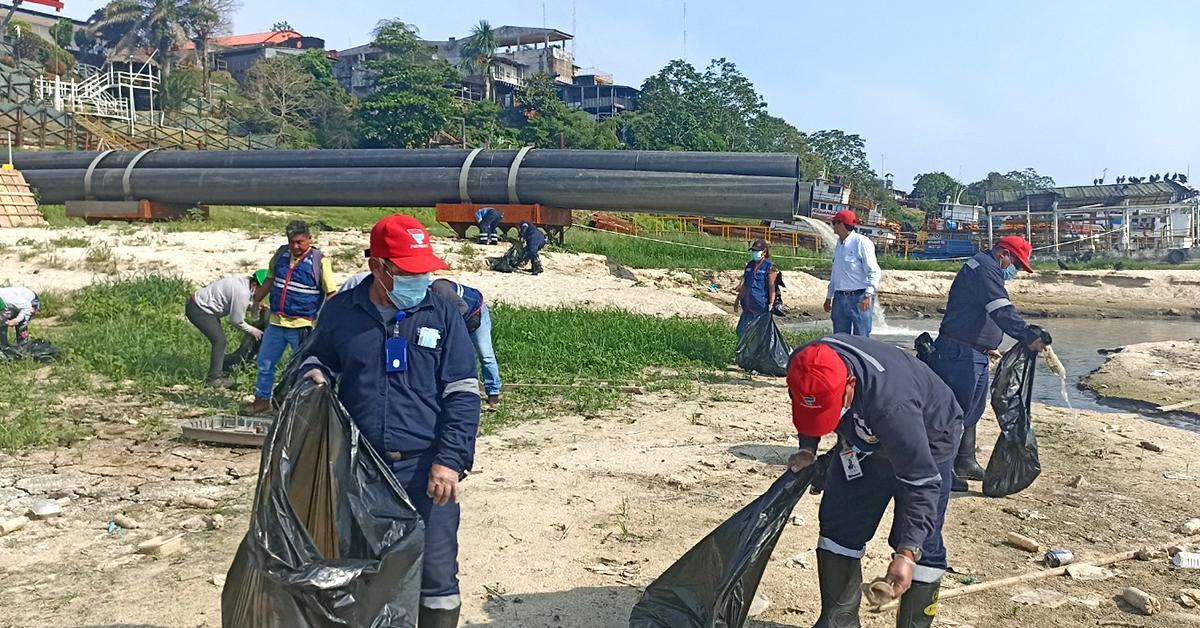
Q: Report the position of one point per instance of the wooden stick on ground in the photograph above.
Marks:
(947, 594)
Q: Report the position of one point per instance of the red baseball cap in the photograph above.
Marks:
(403, 241)
(816, 380)
(846, 217)
(1020, 250)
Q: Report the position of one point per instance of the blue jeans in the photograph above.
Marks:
(965, 371)
(851, 510)
(482, 337)
(439, 567)
(275, 339)
(847, 314)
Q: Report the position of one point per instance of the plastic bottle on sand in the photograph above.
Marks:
(1186, 560)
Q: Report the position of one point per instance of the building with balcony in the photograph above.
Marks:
(598, 96)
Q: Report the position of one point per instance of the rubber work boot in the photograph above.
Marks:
(535, 267)
(841, 579)
(438, 617)
(918, 605)
(965, 465)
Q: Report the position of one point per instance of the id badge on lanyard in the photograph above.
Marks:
(850, 463)
(396, 348)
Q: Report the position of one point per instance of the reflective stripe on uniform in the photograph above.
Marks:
(442, 602)
(923, 481)
(997, 304)
(972, 264)
(927, 575)
(832, 547)
(470, 385)
(863, 354)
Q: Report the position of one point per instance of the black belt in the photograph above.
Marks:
(980, 348)
(398, 456)
(851, 291)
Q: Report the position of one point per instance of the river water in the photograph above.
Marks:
(1076, 342)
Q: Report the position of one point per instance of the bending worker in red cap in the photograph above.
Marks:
(404, 366)
(897, 429)
(978, 314)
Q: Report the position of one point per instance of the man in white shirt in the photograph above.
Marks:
(854, 280)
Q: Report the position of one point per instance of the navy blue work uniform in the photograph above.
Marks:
(488, 219)
(427, 414)
(978, 314)
(534, 241)
(754, 292)
(903, 428)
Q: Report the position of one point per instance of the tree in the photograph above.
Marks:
(1029, 179)
(201, 20)
(770, 134)
(844, 154)
(676, 112)
(279, 27)
(543, 120)
(479, 54)
(333, 121)
(281, 91)
(414, 95)
(63, 32)
(164, 25)
(735, 104)
(485, 126)
(932, 188)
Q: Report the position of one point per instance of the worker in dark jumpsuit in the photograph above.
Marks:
(898, 427)
(978, 314)
(488, 219)
(404, 367)
(534, 241)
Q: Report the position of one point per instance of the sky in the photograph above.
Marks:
(1067, 87)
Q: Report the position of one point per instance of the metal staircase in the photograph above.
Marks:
(94, 95)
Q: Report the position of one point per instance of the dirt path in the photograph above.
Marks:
(564, 519)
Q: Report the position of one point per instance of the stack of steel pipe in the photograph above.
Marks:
(753, 185)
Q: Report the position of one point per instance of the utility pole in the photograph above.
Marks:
(685, 30)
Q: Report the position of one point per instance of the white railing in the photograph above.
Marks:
(94, 95)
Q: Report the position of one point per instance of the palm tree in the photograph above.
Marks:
(479, 54)
(158, 24)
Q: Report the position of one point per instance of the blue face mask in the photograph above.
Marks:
(756, 255)
(1010, 272)
(408, 291)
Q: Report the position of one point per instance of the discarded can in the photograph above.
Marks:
(1059, 557)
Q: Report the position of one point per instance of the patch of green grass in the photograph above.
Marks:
(682, 250)
(27, 412)
(70, 242)
(100, 259)
(272, 220)
(56, 216)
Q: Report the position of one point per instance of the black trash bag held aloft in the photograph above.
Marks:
(763, 348)
(713, 584)
(1014, 463)
(333, 539)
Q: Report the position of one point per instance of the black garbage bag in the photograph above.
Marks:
(35, 349)
(714, 583)
(512, 259)
(247, 350)
(763, 348)
(1014, 463)
(333, 539)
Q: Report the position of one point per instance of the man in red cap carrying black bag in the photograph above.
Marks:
(897, 427)
(405, 371)
(978, 314)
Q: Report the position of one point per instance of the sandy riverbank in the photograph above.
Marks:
(1155, 376)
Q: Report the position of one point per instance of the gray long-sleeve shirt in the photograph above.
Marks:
(230, 297)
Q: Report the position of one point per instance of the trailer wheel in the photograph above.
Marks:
(1177, 256)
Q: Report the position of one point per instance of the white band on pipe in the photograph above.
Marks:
(129, 171)
(87, 176)
(463, 195)
(512, 175)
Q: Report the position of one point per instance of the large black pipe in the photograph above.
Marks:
(748, 164)
(708, 194)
